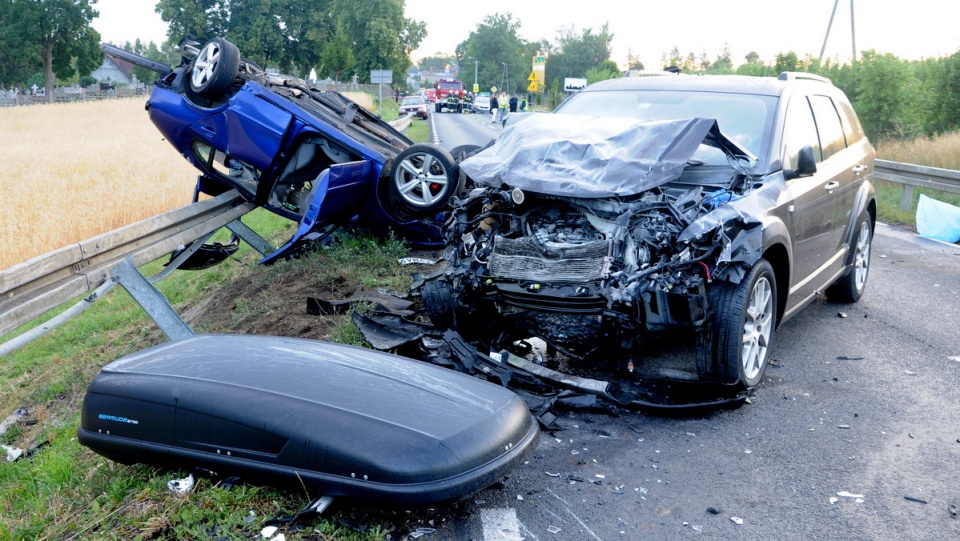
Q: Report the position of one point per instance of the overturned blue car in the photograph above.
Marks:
(310, 155)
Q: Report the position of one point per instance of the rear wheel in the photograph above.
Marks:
(850, 288)
(215, 68)
(422, 179)
(743, 323)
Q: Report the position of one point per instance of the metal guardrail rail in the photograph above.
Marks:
(32, 288)
(920, 176)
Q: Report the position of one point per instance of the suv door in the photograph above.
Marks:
(811, 203)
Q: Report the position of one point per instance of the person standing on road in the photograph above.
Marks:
(503, 103)
(494, 107)
(523, 104)
(513, 103)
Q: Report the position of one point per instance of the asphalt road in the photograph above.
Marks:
(853, 434)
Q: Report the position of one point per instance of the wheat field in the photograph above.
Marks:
(73, 171)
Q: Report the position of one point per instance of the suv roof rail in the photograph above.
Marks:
(798, 75)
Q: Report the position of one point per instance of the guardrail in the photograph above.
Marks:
(911, 175)
(32, 288)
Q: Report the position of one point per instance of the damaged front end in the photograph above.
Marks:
(606, 271)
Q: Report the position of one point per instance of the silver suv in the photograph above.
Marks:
(647, 213)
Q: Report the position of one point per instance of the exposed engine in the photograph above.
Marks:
(540, 258)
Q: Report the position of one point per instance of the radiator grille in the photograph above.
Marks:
(526, 259)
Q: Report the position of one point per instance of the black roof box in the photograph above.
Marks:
(341, 420)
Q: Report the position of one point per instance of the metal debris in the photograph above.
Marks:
(914, 499)
(416, 261)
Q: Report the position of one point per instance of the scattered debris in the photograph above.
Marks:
(713, 511)
(552, 474)
(13, 453)
(843, 426)
(697, 528)
(420, 532)
(954, 358)
(181, 486)
(845, 358)
(834, 499)
(269, 531)
(553, 529)
(842, 314)
(416, 261)
(914, 499)
(737, 520)
(952, 509)
(845, 494)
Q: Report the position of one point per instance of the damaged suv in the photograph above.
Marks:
(647, 213)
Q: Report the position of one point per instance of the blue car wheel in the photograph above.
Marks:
(215, 68)
(423, 178)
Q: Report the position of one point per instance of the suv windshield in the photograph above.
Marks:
(744, 118)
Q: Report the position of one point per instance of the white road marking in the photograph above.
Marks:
(575, 517)
(500, 525)
(433, 128)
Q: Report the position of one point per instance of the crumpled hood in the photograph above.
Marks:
(592, 157)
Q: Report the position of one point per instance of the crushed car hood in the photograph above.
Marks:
(586, 156)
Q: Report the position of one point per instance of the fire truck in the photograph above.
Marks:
(449, 95)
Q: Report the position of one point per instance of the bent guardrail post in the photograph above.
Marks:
(153, 302)
(251, 237)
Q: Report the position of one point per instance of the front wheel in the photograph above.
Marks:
(423, 177)
(744, 318)
(215, 68)
(850, 287)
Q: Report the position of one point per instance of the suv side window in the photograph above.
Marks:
(828, 125)
(851, 124)
(799, 131)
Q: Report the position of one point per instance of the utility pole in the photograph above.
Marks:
(853, 33)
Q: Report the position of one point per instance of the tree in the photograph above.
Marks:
(382, 37)
(577, 53)
(500, 53)
(338, 55)
(57, 33)
(633, 62)
(882, 100)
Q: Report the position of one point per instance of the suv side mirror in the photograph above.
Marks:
(806, 164)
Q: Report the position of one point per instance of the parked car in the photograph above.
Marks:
(481, 104)
(430, 95)
(306, 154)
(414, 105)
(655, 211)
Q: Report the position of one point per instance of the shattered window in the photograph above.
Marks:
(744, 118)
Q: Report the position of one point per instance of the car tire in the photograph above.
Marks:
(850, 287)
(744, 318)
(422, 179)
(463, 152)
(214, 68)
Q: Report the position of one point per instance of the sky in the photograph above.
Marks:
(909, 29)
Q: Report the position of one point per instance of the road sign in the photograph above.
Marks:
(533, 76)
(533, 87)
(476, 88)
(381, 76)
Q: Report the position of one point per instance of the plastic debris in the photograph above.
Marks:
(953, 510)
(843, 426)
(955, 358)
(834, 499)
(938, 220)
(552, 474)
(846, 358)
(269, 531)
(737, 520)
(416, 261)
(13, 453)
(181, 486)
(914, 499)
(553, 529)
(697, 528)
(713, 511)
(845, 494)
(842, 314)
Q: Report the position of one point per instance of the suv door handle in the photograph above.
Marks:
(830, 186)
(859, 169)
